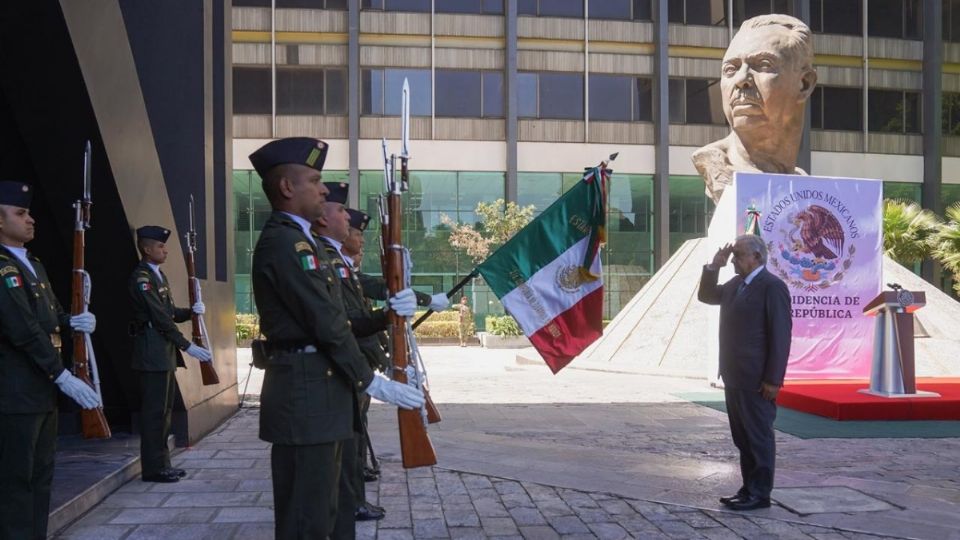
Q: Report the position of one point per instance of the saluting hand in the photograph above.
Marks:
(721, 257)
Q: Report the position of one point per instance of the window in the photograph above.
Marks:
(700, 12)
(469, 6)
(336, 91)
(251, 90)
(894, 111)
(550, 95)
(951, 113)
(696, 101)
(747, 9)
(836, 108)
(527, 95)
(951, 20)
(561, 95)
(835, 16)
(624, 10)
(299, 91)
(381, 91)
(311, 4)
(620, 98)
(690, 210)
(458, 93)
(551, 8)
(493, 94)
(311, 91)
(418, 6)
(895, 18)
(469, 94)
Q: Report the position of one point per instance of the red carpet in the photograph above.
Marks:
(840, 400)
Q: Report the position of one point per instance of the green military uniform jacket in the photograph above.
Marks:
(30, 321)
(307, 398)
(157, 341)
(357, 305)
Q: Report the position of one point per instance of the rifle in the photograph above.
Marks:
(415, 445)
(208, 374)
(92, 421)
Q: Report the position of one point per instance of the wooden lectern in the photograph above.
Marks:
(893, 373)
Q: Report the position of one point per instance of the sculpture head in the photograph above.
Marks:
(767, 76)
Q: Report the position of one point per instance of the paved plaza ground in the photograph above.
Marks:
(583, 454)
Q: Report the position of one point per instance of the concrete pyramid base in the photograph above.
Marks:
(665, 330)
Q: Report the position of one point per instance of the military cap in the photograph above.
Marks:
(300, 150)
(358, 219)
(338, 192)
(15, 194)
(152, 232)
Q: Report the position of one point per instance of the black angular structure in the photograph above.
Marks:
(148, 83)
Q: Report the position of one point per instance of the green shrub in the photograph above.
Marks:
(503, 326)
(248, 326)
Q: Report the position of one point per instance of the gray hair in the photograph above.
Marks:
(797, 40)
(756, 245)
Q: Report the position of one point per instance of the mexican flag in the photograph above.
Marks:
(548, 275)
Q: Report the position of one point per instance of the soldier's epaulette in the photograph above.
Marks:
(330, 250)
(7, 266)
(303, 246)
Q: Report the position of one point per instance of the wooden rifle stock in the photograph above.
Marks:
(415, 446)
(208, 374)
(93, 423)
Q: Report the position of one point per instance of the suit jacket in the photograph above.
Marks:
(157, 341)
(30, 318)
(755, 328)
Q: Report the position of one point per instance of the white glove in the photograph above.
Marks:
(199, 308)
(84, 322)
(199, 353)
(439, 302)
(78, 390)
(404, 303)
(401, 395)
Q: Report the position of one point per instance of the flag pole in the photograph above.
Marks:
(456, 288)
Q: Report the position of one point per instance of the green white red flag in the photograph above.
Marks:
(548, 275)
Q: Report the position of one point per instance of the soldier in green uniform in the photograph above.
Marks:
(373, 347)
(333, 229)
(157, 352)
(314, 369)
(31, 320)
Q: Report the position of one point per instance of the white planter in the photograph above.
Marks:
(491, 341)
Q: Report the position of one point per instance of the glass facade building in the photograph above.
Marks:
(580, 85)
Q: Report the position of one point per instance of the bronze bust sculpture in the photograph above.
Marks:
(766, 78)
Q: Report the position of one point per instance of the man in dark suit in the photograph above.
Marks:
(755, 326)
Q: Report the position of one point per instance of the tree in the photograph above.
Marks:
(497, 222)
(946, 244)
(908, 231)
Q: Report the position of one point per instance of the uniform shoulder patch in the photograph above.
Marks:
(13, 281)
(143, 279)
(144, 285)
(303, 246)
(8, 268)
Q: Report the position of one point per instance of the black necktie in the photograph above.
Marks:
(740, 289)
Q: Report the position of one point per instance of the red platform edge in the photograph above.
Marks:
(840, 400)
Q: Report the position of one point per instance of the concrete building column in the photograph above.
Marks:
(510, 77)
(932, 119)
(661, 119)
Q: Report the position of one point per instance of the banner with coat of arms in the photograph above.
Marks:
(824, 240)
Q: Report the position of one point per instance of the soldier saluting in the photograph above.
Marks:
(31, 319)
(157, 346)
(314, 369)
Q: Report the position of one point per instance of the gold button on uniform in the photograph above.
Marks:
(329, 373)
